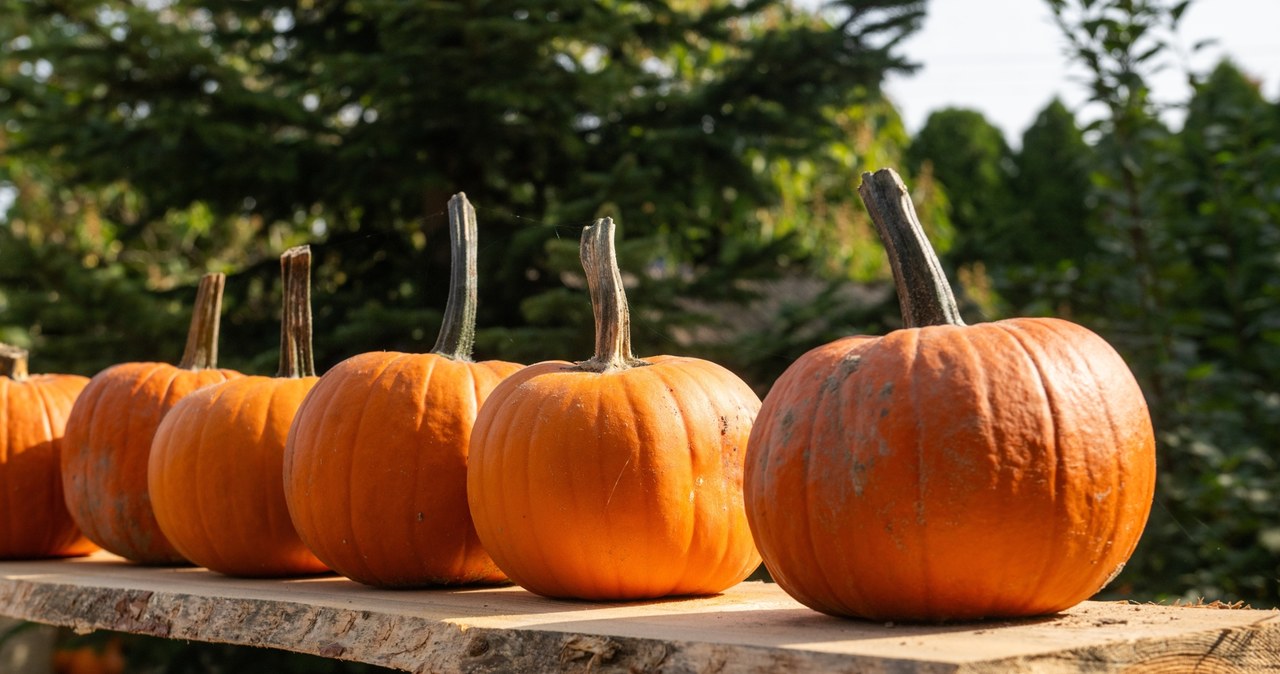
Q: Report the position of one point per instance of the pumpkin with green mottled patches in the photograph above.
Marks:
(946, 471)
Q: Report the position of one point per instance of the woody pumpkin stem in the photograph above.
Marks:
(201, 352)
(13, 362)
(296, 359)
(458, 331)
(924, 294)
(608, 301)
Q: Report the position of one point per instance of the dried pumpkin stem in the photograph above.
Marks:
(608, 301)
(458, 331)
(202, 337)
(924, 294)
(296, 358)
(13, 362)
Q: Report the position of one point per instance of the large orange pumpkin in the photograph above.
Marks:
(614, 478)
(376, 465)
(946, 471)
(217, 462)
(109, 432)
(33, 413)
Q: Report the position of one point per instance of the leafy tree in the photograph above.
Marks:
(970, 158)
(1226, 326)
(849, 291)
(255, 124)
(1050, 188)
(1049, 231)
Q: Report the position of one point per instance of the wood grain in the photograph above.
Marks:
(753, 627)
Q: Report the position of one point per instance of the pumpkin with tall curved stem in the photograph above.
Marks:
(945, 471)
(376, 463)
(616, 477)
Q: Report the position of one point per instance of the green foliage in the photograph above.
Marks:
(1225, 329)
(1037, 264)
(970, 157)
(239, 127)
(1049, 188)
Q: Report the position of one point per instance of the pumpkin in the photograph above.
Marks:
(33, 413)
(946, 471)
(217, 461)
(109, 432)
(376, 463)
(614, 478)
(88, 659)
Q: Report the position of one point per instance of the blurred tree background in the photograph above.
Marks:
(149, 142)
(143, 143)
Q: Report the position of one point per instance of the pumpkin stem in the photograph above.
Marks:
(923, 292)
(295, 322)
(13, 362)
(202, 337)
(458, 331)
(608, 301)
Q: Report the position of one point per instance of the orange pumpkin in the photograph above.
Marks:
(376, 465)
(33, 413)
(109, 431)
(109, 659)
(614, 478)
(217, 462)
(946, 471)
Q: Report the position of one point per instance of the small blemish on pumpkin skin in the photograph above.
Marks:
(785, 425)
(848, 365)
(858, 475)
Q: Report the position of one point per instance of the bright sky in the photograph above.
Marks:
(1006, 58)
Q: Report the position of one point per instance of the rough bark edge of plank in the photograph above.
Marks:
(1227, 650)
(406, 642)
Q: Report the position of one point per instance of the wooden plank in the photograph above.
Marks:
(753, 627)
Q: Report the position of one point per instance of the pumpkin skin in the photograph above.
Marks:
(626, 485)
(109, 433)
(33, 414)
(376, 465)
(940, 473)
(216, 476)
(376, 469)
(104, 457)
(615, 478)
(947, 472)
(216, 471)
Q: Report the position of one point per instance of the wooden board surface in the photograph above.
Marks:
(753, 627)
